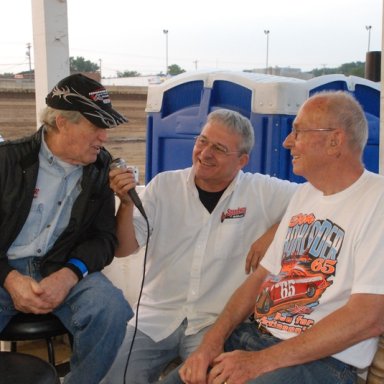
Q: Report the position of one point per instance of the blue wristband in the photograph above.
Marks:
(80, 265)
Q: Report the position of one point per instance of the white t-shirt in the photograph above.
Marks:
(196, 259)
(326, 248)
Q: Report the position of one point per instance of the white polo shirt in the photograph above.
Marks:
(196, 259)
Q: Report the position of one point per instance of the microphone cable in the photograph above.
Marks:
(120, 163)
(138, 300)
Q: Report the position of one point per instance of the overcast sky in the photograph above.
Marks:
(202, 34)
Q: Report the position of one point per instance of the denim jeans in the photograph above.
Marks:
(149, 358)
(325, 371)
(96, 314)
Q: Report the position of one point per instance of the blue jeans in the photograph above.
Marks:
(325, 371)
(149, 358)
(96, 314)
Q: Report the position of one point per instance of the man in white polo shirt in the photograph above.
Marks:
(203, 221)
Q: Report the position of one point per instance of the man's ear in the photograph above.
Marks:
(244, 159)
(60, 121)
(336, 140)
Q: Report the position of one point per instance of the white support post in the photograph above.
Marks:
(51, 48)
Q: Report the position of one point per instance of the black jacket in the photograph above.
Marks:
(91, 232)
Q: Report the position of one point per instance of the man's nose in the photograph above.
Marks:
(288, 141)
(103, 135)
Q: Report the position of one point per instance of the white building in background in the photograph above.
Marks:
(139, 81)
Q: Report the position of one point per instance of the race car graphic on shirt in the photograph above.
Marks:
(285, 301)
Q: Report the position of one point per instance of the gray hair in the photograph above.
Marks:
(346, 112)
(236, 123)
(48, 116)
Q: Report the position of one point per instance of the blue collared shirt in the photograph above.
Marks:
(58, 185)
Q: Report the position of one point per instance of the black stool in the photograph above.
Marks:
(27, 326)
(19, 368)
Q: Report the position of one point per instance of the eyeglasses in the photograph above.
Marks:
(295, 131)
(201, 142)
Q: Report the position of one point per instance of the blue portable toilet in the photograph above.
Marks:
(178, 108)
(174, 117)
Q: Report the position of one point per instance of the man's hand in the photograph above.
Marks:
(121, 181)
(29, 296)
(258, 249)
(57, 286)
(26, 294)
(235, 367)
(195, 368)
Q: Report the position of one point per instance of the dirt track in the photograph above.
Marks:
(18, 119)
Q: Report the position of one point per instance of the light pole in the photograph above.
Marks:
(266, 31)
(165, 31)
(368, 28)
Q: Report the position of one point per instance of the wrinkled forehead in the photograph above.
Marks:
(313, 112)
(216, 128)
(219, 133)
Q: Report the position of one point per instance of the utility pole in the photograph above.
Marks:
(266, 31)
(368, 28)
(324, 66)
(165, 31)
(28, 53)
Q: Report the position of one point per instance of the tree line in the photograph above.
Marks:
(80, 64)
(356, 68)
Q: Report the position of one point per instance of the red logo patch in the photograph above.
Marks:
(233, 213)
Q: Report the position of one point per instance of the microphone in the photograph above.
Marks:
(121, 164)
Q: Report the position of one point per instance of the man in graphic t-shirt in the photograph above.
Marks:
(319, 290)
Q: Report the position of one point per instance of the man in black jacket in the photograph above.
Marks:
(57, 225)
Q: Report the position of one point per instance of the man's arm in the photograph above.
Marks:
(361, 318)
(125, 231)
(121, 181)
